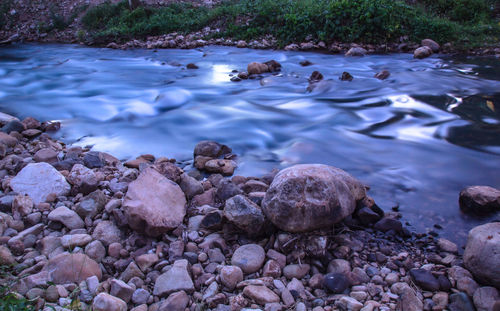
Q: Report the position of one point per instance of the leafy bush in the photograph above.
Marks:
(463, 11)
(288, 21)
(10, 301)
(4, 11)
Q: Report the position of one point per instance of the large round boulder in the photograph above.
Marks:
(311, 196)
(482, 253)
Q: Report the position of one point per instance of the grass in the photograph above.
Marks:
(462, 22)
(10, 301)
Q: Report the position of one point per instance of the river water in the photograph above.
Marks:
(416, 138)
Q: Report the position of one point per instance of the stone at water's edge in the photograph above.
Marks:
(479, 200)
(154, 204)
(482, 253)
(71, 268)
(38, 180)
(106, 302)
(246, 215)
(422, 52)
(307, 197)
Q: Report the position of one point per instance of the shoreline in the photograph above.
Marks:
(215, 249)
(170, 41)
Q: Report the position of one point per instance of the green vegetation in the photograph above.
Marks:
(10, 301)
(463, 22)
(4, 12)
(58, 21)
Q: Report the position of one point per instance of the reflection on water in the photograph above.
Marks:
(416, 138)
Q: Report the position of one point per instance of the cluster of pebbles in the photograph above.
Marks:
(80, 229)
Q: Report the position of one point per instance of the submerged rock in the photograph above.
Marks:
(154, 204)
(311, 196)
(384, 74)
(346, 76)
(482, 253)
(38, 180)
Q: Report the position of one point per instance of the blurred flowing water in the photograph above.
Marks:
(416, 138)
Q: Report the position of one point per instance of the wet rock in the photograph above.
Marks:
(241, 44)
(256, 68)
(356, 51)
(13, 126)
(336, 283)
(260, 294)
(230, 276)
(106, 302)
(273, 65)
(422, 52)
(245, 215)
(210, 149)
(384, 74)
(175, 302)
(311, 196)
(479, 200)
(249, 258)
(212, 221)
(67, 217)
(432, 44)
(305, 63)
(175, 279)
(107, 232)
(38, 180)
(243, 75)
(482, 253)
(221, 166)
(346, 76)
(191, 66)
(316, 76)
(485, 298)
(424, 279)
(93, 159)
(154, 204)
(71, 268)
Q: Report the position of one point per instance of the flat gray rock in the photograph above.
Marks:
(38, 180)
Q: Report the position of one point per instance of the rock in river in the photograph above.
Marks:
(482, 253)
(311, 196)
(154, 204)
(38, 180)
(422, 52)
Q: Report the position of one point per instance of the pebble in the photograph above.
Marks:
(249, 258)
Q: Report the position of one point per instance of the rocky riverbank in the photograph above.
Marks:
(81, 229)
